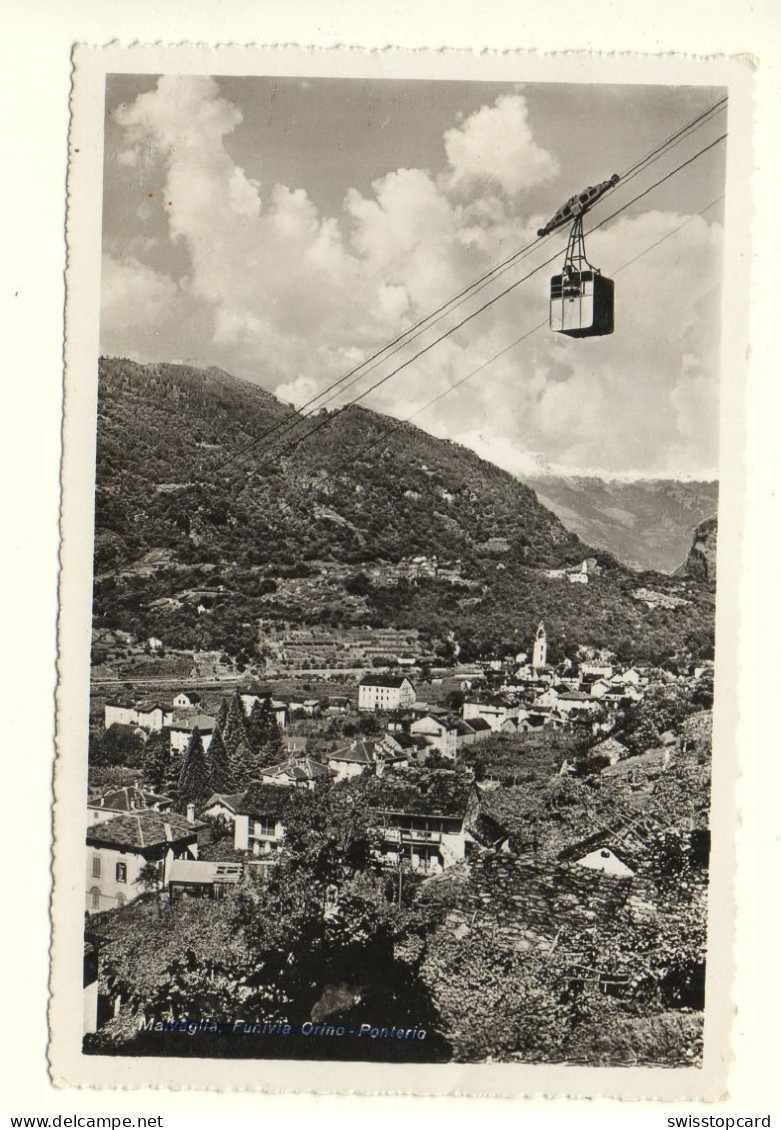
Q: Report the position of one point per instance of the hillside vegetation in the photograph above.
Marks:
(195, 553)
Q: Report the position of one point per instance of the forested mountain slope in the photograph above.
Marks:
(194, 552)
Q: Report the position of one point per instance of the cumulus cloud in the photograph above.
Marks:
(280, 293)
(136, 303)
(496, 145)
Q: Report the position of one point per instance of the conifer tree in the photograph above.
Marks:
(244, 765)
(265, 735)
(157, 759)
(273, 750)
(258, 725)
(235, 725)
(222, 714)
(222, 775)
(195, 786)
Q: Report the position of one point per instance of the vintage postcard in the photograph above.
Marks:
(396, 718)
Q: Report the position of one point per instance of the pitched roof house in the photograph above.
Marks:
(385, 692)
(119, 849)
(303, 772)
(424, 830)
(352, 760)
(258, 827)
(182, 731)
(129, 798)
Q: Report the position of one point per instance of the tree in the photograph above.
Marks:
(195, 786)
(157, 759)
(150, 877)
(244, 766)
(258, 724)
(120, 745)
(273, 749)
(264, 736)
(222, 713)
(222, 775)
(235, 724)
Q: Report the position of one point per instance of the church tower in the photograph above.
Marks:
(540, 652)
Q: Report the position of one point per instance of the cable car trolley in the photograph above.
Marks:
(581, 297)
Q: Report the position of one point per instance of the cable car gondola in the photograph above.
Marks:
(581, 297)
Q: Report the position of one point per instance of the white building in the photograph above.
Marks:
(119, 849)
(385, 692)
(494, 711)
(258, 826)
(182, 731)
(440, 733)
(151, 716)
(187, 700)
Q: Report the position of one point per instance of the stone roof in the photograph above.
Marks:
(299, 769)
(205, 723)
(395, 681)
(229, 800)
(442, 794)
(528, 900)
(658, 758)
(358, 754)
(129, 799)
(142, 830)
(478, 725)
(262, 800)
(610, 747)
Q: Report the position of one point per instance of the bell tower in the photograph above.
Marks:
(540, 652)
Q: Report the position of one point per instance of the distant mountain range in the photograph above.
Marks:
(646, 524)
(204, 527)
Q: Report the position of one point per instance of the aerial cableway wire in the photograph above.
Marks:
(289, 423)
(674, 137)
(377, 440)
(425, 323)
(297, 440)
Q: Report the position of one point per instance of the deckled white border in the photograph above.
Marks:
(69, 1067)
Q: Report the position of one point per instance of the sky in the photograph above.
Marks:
(286, 229)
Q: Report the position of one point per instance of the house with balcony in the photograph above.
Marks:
(421, 830)
(258, 827)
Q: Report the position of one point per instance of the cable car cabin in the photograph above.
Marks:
(581, 304)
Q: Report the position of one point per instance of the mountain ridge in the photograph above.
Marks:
(646, 523)
(325, 534)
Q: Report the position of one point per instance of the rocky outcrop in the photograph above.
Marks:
(700, 565)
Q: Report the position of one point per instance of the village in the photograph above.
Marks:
(433, 764)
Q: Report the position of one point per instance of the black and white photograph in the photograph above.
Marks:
(405, 413)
